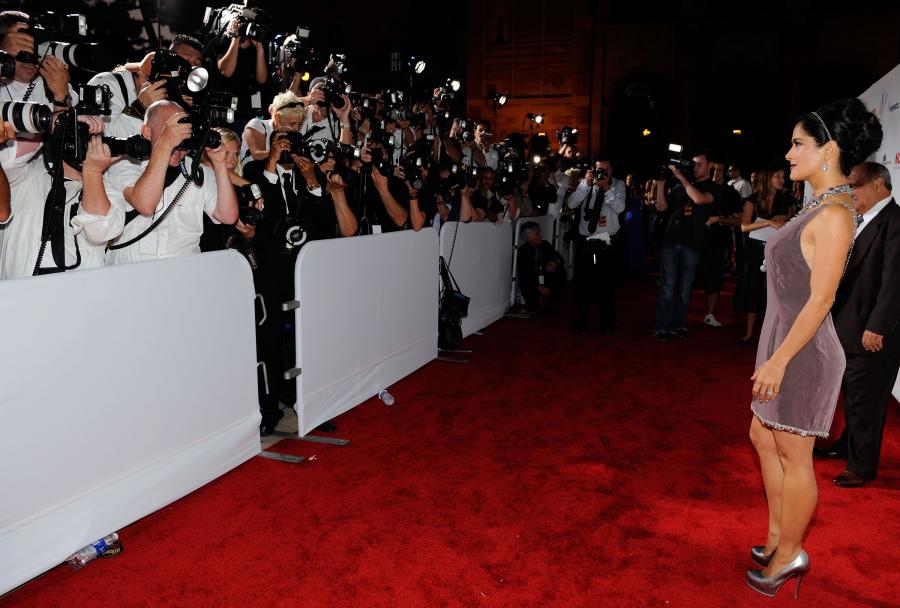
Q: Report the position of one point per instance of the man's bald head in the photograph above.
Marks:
(157, 116)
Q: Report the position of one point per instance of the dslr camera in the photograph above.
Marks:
(181, 79)
(254, 23)
(333, 89)
(246, 197)
(47, 27)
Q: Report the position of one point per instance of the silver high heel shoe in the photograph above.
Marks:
(769, 585)
(758, 555)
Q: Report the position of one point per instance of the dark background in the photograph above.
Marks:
(709, 67)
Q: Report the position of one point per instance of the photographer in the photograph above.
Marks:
(380, 192)
(480, 152)
(318, 114)
(66, 227)
(540, 270)
(244, 67)
(46, 83)
(688, 204)
(133, 91)
(153, 187)
(287, 111)
(600, 199)
(487, 205)
(7, 133)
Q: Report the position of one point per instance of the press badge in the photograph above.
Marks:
(376, 228)
(256, 101)
(540, 279)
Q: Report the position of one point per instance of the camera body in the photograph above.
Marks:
(180, 77)
(246, 197)
(333, 89)
(202, 134)
(94, 100)
(467, 130)
(47, 27)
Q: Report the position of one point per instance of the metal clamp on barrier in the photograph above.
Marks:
(290, 305)
(292, 373)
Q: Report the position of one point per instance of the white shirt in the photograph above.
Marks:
(491, 158)
(562, 183)
(613, 205)
(742, 186)
(323, 133)
(266, 127)
(179, 234)
(870, 215)
(86, 234)
(118, 124)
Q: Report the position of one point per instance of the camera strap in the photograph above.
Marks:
(157, 222)
(121, 80)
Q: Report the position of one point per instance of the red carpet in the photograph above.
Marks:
(552, 470)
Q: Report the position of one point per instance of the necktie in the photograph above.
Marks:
(595, 215)
(290, 196)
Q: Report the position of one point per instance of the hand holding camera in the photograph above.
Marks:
(336, 183)
(15, 41)
(56, 75)
(152, 92)
(174, 132)
(98, 158)
(218, 156)
(307, 168)
(380, 181)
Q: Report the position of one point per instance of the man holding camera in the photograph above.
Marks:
(64, 226)
(480, 152)
(689, 204)
(170, 206)
(133, 92)
(601, 198)
(46, 83)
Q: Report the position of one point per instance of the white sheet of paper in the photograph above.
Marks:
(763, 234)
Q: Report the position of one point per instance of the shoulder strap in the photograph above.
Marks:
(121, 80)
(156, 223)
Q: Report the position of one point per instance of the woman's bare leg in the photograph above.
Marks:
(799, 495)
(763, 440)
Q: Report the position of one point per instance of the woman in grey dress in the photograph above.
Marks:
(800, 362)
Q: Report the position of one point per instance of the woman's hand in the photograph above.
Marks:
(767, 380)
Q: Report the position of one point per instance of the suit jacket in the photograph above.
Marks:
(869, 295)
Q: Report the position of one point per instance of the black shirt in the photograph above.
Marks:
(687, 220)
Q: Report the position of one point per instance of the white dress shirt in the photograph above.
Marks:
(22, 234)
(278, 179)
(179, 234)
(613, 204)
(118, 124)
(491, 158)
(870, 215)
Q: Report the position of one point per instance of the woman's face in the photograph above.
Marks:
(232, 149)
(805, 156)
(777, 180)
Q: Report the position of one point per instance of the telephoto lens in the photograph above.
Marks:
(135, 146)
(88, 56)
(26, 116)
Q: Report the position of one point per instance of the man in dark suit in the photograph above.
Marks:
(540, 270)
(867, 315)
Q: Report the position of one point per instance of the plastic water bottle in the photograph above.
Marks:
(81, 557)
(386, 397)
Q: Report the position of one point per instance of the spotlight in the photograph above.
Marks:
(417, 65)
(535, 118)
(646, 132)
(499, 98)
(737, 132)
(453, 84)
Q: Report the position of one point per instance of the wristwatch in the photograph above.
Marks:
(64, 103)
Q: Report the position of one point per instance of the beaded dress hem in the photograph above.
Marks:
(790, 429)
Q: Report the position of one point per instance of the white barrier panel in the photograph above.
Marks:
(481, 263)
(883, 98)
(123, 389)
(547, 224)
(368, 317)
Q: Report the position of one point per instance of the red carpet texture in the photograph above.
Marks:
(552, 470)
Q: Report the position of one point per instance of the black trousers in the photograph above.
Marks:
(595, 272)
(554, 281)
(867, 386)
